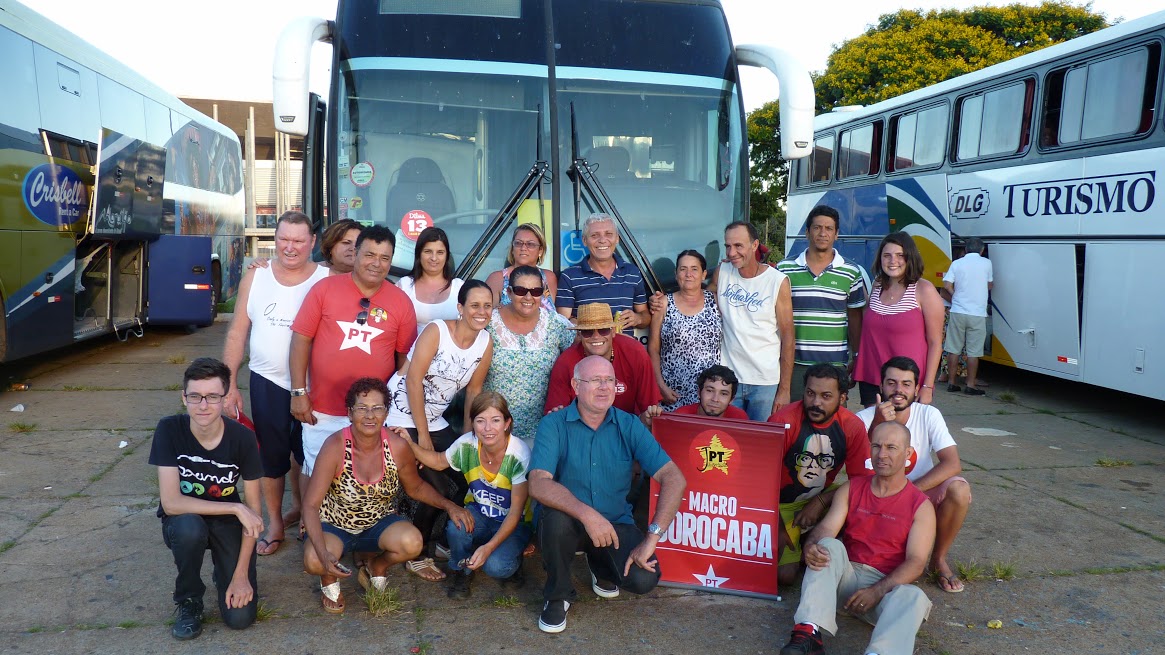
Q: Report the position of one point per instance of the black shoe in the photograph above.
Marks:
(604, 588)
(952, 387)
(553, 617)
(188, 625)
(972, 391)
(459, 590)
(517, 580)
(804, 641)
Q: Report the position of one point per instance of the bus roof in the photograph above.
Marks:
(39, 29)
(1050, 53)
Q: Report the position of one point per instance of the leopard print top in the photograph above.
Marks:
(354, 506)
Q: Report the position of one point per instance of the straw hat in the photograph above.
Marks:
(596, 316)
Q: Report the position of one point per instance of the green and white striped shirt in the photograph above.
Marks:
(820, 304)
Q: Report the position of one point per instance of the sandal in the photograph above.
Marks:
(271, 546)
(368, 581)
(331, 597)
(425, 569)
(951, 583)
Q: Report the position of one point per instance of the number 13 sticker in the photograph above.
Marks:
(414, 222)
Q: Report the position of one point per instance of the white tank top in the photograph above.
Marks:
(449, 372)
(751, 346)
(272, 308)
(428, 312)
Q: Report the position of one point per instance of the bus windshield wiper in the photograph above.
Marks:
(588, 189)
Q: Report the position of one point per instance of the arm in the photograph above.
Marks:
(517, 503)
(240, 592)
(551, 282)
(236, 343)
(671, 492)
(564, 297)
(933, 314)
(854, 329)
(817, 557)
(784, 310)
(640, 316)
(478, 380)
(175, 503)
(430, 458)
(495, 282)
(919, 543)
(547, 491)
(654, 344)
(558, 391)
(947, 293)
(418, 489)
(817, 507)
(418, 368)
(948, 465)
(715, 278)
(328, 465)
(297, 361)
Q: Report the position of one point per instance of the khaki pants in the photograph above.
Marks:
(896, 619)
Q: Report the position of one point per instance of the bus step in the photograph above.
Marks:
(130, 326)
(86, 328)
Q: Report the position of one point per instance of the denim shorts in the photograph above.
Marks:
(364, 542)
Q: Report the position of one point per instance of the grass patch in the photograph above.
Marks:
(423, 647)
(1046, 412)
(383, 603)
(7, 545)
(35, 629)
(969, 571)
(176, 359)
(263, 612)
(129, 625)
(72, 387)
(1109, 463)
(172, 387)
(1007, 397)
(91, 626)
(21, 428)
(507, 601)
(1003, 570)
(1141, 532)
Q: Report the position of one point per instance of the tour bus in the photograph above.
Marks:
(1052, 159)
(119, 205)
(474, 116)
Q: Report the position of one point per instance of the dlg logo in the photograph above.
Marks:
(970, 203)
(55, 195)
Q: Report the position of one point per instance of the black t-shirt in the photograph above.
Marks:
(206, 474)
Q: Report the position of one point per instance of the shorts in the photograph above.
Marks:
(967, 331)
(315, 435)
(938, 494)
(280, 435)
(363, 542)
(792, 553)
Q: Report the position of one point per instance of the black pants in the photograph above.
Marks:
(560, 535)
(448, 483)
(188, 536)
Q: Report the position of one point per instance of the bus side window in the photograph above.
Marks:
(822, 159)
(860, 151)
(1111, 97)
(992, 122)
(917, 138)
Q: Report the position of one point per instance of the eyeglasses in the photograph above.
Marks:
(526, 245)
(599, 382)
(602, 332)
(527, 291)
(365, 409)
(362, 317)
(197, 398)
(824, 460)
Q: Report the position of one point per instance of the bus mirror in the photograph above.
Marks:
(291, 72)
(796, 95)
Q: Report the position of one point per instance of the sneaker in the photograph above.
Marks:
(804, 641)
(553, 616)
(441, 552)
(459, 590)
(188, 625)
(604, 588)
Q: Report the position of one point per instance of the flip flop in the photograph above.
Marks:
(271, 545)
(951, 584)
(416, 567)
(332, 598)
(366, 580)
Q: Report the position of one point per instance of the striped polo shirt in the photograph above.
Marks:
(820, 302)
(580, 284)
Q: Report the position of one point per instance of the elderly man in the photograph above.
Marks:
(268, 301)
(603, 277)
(967, 282)
(717, 385)
(889, 531)
(581, 472)
(635, 389)
(934, 464)
(349, 327)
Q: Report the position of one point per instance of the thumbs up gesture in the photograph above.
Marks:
(886, 409)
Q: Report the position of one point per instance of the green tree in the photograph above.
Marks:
(768, 177)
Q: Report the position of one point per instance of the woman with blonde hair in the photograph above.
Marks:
(527, 248)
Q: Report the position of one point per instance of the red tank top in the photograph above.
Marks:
(890, 331)
(876, 528)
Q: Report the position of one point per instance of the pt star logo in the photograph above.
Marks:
(358, 336)
(710, 579)
(715, 456)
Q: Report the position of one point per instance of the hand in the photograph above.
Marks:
(239, 593)
(849, 372)
(657, 302)
(555, 409)
(628, 319)
(232, 403)
(330, 565)
(863, 600)
(600, 530)
(461, 517)
(477, 560)
(669, 396)
(781, 400)
(811, 514)
(816, 557)
(925, 395)
(650, 413)
(641, 555)
(252, 522)
(886, 409)
(259, 262)
(301, 410)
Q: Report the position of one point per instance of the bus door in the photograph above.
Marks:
(179, 281)
(1035, 320)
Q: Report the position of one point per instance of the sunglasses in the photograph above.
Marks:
(602, 332)
(527, 291)
(362, 317)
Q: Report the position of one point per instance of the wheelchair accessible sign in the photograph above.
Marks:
(573, 250)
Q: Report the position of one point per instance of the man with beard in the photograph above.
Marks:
(820, 434)
(934, 466)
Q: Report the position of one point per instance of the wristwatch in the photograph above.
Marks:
(655, 530)
(298, 392)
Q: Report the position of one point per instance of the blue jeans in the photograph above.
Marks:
(757, 400)
(505, 559)
(367, 541)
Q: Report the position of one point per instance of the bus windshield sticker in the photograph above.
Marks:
(362, 174)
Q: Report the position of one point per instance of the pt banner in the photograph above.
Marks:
(724, 536)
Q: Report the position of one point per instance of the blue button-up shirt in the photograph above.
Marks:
(595, 465)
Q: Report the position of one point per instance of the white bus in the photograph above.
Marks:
(119, 204)
(1052, 159)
